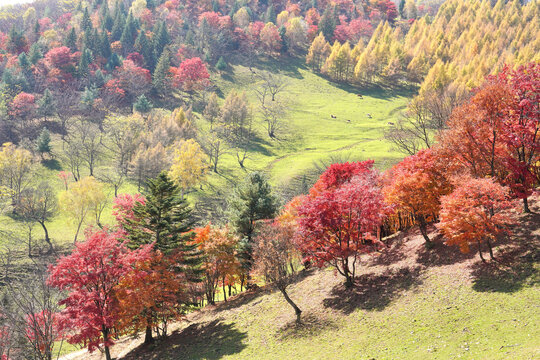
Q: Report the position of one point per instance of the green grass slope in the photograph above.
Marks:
(311, 135)
(408, 303)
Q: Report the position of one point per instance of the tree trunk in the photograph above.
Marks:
(526, 206)
(148, 338)
(30, 243)
(47, 239)
(297, 310)
(107, 353)
(423, 229)
(224, 290)
(77, 233)
(490, 250)
(348, 281)
(480, 252)
(105, 333)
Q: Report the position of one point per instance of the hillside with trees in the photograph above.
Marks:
(190, 172)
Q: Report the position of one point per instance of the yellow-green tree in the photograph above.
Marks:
(318, 52)
(189, 166)
(81, 200)
(241, 18)
(15, 169)
(339, 65)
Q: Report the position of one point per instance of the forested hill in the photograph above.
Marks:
(160, 156)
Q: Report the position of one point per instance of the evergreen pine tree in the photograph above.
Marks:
(24, 62)
(86, 23)
(105, 46)
(34, 55)
(99, 79)
(221, 64)
(160, 78)
(160, 39)
(327, 24)
(118, 26)
(270, 15)
(37, 30)
(251, 200)
(85, 60)
(143, 47)
(43, 143)
(71, 40)
(401, 7)
(46, 105)
(128, 34)
(113, 62)
(142, 105)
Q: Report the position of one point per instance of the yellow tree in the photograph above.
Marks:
(83, 198)
(189, 166)
(241, 18)
(318, 52)
(296, 33)
(338, 64)
(15, 169)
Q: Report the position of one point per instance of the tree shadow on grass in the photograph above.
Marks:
(440, 254)
(515, 260)
(52, 164)
(373, 291)
(393, 253)
(310, 325)
(210, 340)
(377, 90)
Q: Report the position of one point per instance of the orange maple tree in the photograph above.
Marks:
(415, 185)
(475, 212)
(150, 296)
(220, 264)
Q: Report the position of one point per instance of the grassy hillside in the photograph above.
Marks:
(408, 303)
(311, 135)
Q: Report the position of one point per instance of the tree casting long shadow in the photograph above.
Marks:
(373, 291)
(212, 340)
(516, 259)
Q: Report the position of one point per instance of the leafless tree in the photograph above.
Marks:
(271, 85)
(215, 146)
(30, 309)
(273, 254)
(426, 116)
(124, 136)
(37, 205)
(85, 139)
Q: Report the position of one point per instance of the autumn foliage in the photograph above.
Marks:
(339, 221)
(90, 276)
(221, 264)
(151, 294)
(474, 213)
(414, 186)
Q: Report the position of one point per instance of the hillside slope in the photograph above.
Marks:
(409, 303)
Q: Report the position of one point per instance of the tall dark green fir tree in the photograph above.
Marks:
(71, 40)
(160, 80)
(252, 200)
(86, 23)
(165, 219)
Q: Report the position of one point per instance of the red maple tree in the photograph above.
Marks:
(90, 275)
(340, 220)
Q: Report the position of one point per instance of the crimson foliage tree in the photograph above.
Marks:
(337, 224)
(90, 276)
(522, 128)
